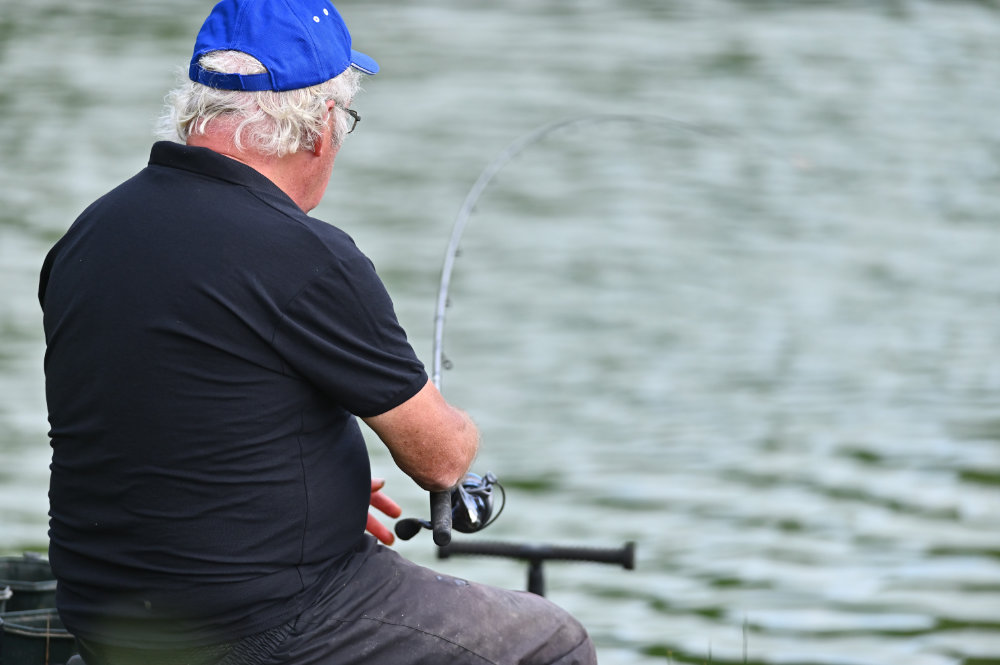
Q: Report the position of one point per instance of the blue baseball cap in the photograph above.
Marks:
(301, 43)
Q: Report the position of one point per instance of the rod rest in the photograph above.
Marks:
(536, 554)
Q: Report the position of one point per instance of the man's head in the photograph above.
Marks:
(265, 71)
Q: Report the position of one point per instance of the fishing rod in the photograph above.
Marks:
(443, 504)
(468, 507)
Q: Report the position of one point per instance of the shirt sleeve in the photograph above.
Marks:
(340, 332)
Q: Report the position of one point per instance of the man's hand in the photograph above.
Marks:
(381, 502)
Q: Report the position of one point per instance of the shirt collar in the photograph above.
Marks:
(214, 165)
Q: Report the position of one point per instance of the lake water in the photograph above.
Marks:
(752, 328)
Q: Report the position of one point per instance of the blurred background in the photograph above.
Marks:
(753, 328)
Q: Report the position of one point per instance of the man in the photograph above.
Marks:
(209, 347)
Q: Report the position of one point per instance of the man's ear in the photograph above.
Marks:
(325, 140)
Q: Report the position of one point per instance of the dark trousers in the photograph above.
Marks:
(392, 611)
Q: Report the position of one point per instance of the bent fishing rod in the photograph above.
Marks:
(473, 496)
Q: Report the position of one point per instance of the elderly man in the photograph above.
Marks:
(210, 347)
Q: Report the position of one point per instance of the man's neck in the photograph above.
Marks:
(299, 175)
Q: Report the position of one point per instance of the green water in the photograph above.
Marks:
(759, 338)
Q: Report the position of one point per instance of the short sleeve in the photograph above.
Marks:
(340, 333)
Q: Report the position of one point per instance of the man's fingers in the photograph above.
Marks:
(381, 502)
(379, 530)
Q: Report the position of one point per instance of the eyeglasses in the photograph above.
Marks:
(355, 118)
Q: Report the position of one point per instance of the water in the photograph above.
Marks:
(757, 337)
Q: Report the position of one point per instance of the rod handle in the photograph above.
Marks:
(441, 517)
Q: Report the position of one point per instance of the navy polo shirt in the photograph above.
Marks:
(208, 348)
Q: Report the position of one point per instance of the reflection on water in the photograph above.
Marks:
(762, 346)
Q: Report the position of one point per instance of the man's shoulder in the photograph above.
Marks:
(331, 236)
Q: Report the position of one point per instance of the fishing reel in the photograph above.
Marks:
(471, 508)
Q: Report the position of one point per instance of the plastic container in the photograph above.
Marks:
(34, 637)
(30, 580)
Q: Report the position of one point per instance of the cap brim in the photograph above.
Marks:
(363, 62)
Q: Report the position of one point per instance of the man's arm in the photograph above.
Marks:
(431, 441)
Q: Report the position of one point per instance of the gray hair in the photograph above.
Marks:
(272, 123)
